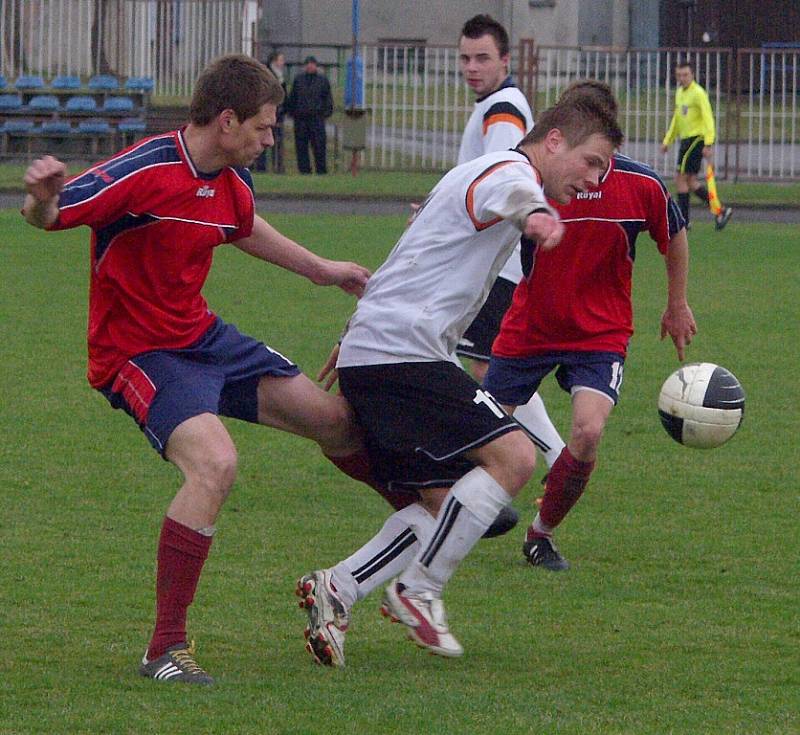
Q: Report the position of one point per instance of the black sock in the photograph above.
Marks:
(702, 193)
(683, 205)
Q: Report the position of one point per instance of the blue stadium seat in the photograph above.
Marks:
(9, 102)
(43, 103)
(81, 103)
(17, 126)
(29, 81)
(96, 127)
(66, 81)
(103, 81)
(118, 104)
(55, 127)
(132, 125)
(140, 84)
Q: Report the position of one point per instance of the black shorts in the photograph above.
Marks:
(690, 155)
(479, 337)
(419, 418)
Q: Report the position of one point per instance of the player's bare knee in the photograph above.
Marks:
(587, 435)
(216, 471)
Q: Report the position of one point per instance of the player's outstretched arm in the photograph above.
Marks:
(266, 243)
(677, 321)
(44, 181)
(544, 228)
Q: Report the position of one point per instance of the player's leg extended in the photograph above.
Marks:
(295, 404)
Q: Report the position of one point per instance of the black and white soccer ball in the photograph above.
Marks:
(701, 405)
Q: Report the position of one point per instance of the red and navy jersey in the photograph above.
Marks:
(155, 222)
(577, 296)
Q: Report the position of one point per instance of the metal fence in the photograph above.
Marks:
(418, 108)
(417, 102)
(765, 127)
(168, 40)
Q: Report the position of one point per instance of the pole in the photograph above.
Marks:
(356, 20)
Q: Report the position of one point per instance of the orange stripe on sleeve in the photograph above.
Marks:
(503, 117)
(471, 196)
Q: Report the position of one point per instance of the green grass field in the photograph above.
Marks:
(680, 614)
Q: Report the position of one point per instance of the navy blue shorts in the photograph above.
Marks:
(218, 374)
(513, 380)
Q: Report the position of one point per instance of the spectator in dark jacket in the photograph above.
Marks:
(309, 103)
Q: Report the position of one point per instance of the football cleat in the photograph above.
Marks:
(424, 618)
(506, 519)
(176, 664)
(328, 618)
(722, 218)
(540, 551)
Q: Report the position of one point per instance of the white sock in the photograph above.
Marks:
(468, 510)
(385, 555)
(533, 416)
(541, 528)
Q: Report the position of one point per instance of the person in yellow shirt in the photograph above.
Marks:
(693, 123)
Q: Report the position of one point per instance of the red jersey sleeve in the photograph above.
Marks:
(244, 203)
(96, 198)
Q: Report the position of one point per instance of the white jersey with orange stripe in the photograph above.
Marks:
(499, 121)
(418, 304)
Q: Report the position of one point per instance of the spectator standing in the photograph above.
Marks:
(310, 103)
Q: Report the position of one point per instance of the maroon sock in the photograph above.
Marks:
(181, 555)
(358, 467)
(566, 482)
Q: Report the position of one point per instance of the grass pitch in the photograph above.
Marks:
(680, 614)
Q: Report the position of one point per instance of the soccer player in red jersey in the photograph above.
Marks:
(157, 210)
(572, 313)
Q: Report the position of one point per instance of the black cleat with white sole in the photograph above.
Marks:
(176, 664)
(540, 551)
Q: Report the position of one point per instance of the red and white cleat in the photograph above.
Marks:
(424, 617)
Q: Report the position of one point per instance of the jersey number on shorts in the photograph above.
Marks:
(481, 396)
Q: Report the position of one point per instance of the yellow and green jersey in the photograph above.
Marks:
(693, 116)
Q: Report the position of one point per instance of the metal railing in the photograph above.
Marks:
(169, 41)
(419, 106)
(767, 115)
(417, 102)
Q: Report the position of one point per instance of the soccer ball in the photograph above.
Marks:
(701, 405)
